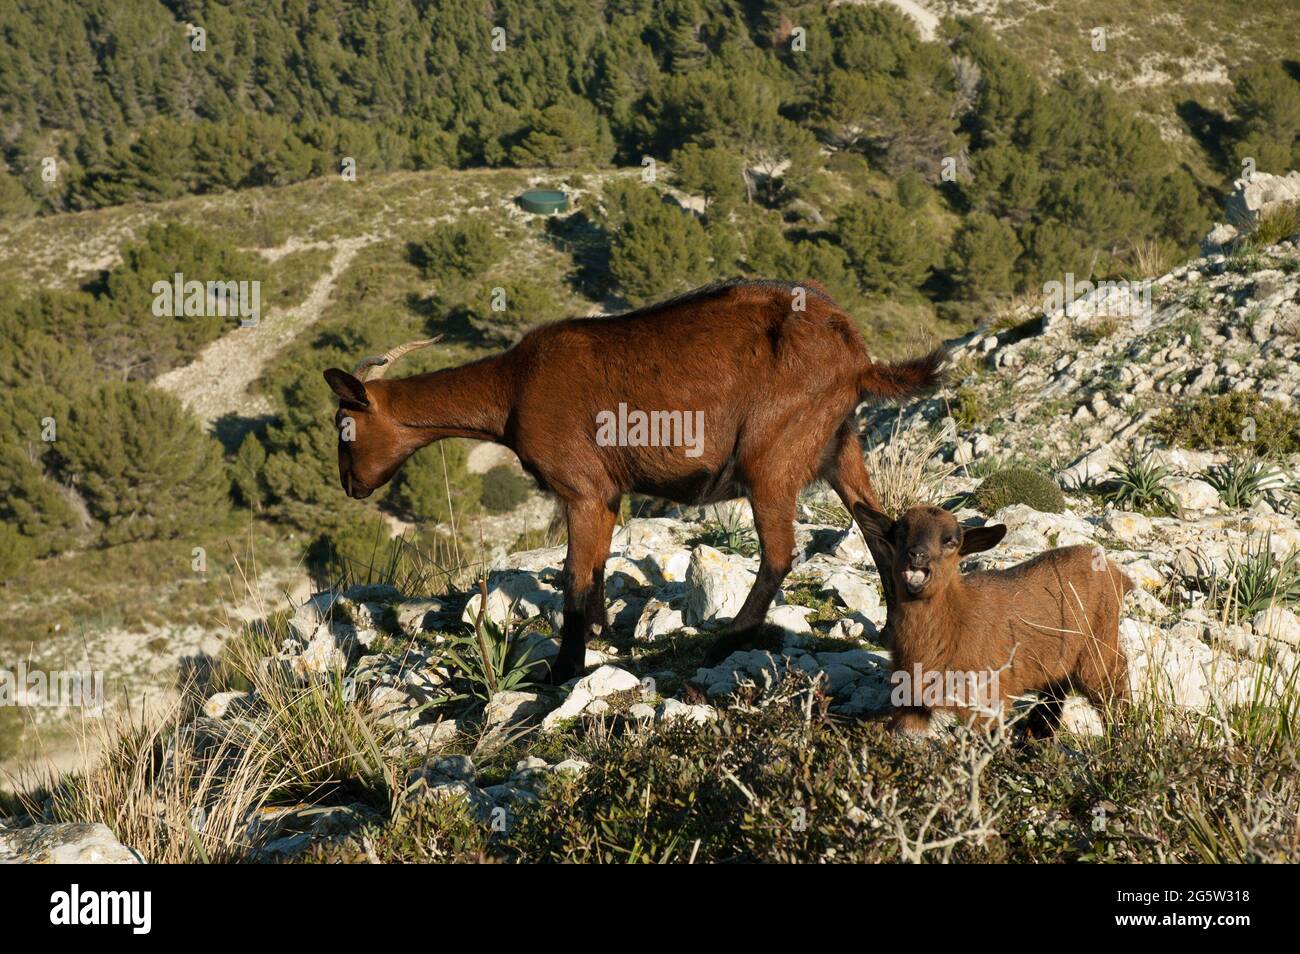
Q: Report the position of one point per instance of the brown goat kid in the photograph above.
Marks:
(1048, 625)
(776, 370)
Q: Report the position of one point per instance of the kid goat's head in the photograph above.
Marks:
(373, 444)
(925, 545)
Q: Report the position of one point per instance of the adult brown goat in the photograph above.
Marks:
(773, 370)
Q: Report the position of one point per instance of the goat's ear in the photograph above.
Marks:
(347, 387)
(873, 522)
(979, 539)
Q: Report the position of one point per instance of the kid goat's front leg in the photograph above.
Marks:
(590, 525)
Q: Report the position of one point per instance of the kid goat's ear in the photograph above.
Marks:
(978, 539)
(347, 387)
(873, 522)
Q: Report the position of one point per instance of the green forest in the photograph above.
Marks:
(826, 143)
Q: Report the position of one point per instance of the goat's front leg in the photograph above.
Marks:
(590, 526)
(774, 520)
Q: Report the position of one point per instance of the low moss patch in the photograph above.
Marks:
(1018, 485)
(807, 591)
(970, 407)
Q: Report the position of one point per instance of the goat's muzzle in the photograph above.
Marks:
(915, 578)
(355, 490)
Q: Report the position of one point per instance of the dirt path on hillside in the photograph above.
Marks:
(927, 23)
(216, 382)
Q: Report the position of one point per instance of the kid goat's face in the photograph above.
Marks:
(925, 546)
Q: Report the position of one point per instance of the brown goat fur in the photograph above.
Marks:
(1048, 625)
(776, 369)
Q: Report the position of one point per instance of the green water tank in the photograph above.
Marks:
(544, 201)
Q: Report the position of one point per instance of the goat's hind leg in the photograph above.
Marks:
(846, 472)
(1104, 681)
(1044, 716)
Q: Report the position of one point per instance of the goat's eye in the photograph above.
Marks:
(950, 542)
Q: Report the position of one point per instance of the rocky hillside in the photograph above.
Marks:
(1167, 434)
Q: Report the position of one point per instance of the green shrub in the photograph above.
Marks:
(357, 548)
(121, 329)
(504, 489)
(713, 174)
(670, 796)
(1018, 485)
(34, 505)
(887, 247)
(983, 256)
(770, 252)
(912, 190)
(519, 306)
(560, 136)
(657, 249)
(969, 407)
(246, 473)
(14, 200)
(144, 467)
(16, 551)
(1266, 100)
(1235, 419)
(1005, 181)
(463, 249)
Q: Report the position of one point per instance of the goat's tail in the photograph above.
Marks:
(900, 380)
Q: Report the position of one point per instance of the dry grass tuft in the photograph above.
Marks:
(904, 470)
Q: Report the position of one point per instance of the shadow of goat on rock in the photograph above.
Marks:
(772, 372)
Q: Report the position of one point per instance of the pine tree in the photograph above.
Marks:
(1266, 100)
(659, 249)
(887, 248)
(16, 551)
(142, 464)
(713, 173)
(983, 256)
(564, 137)
(458, 250)
(247, 473)
(435, 485)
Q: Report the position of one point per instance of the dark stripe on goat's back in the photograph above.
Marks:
(604, 324)
(718, 289)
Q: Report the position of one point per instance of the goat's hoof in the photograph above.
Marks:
(723, 647)
(764, 636)
(562, 670)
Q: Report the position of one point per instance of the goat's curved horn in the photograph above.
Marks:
(373, 368)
